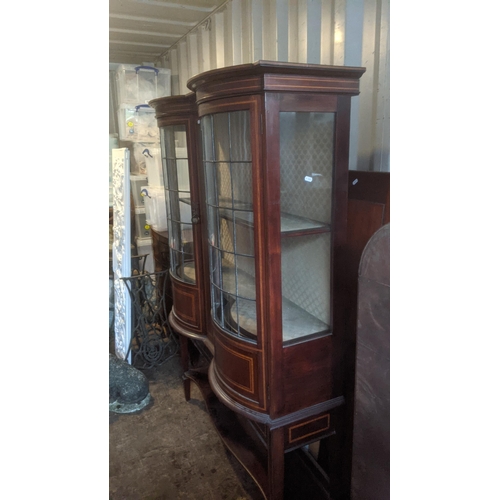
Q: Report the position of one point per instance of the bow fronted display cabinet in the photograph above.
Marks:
(177, 119)
(274, 176)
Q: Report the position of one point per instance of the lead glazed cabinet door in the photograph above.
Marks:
(178, 123)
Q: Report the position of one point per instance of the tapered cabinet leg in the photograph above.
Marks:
(338, 471)
(276, 464)
(185, 365)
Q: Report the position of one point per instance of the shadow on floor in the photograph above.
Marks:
(170, 450)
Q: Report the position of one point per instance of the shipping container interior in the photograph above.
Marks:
(155, 47)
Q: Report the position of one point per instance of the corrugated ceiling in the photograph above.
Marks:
(142, 30)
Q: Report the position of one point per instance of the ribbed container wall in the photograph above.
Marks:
(338, 32)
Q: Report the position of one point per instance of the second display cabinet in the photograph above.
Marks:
(275, 147)
(177, 120)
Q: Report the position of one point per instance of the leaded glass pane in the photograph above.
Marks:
(239, 123)
(223, 184)
(207, 138)
(222, 137)
(168, 142)
(183, 175)
(228, 189)
(178, 198)
(210, 183)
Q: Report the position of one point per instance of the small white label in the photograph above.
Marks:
(308, 179)
(355, 181)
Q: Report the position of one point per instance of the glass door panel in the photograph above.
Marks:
(306, 165)
(178, 197)
(227, 164)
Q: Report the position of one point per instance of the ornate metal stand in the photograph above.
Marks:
(153, 342)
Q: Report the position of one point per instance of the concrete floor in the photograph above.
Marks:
(170, 449)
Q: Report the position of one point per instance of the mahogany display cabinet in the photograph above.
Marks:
(177, 120)
(275, 147)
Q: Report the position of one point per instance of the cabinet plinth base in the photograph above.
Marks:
(303, 478)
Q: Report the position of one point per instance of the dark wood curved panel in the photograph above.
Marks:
(239, 367)
(187, 305)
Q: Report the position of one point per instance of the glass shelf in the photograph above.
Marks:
(290, 224)
(188, 272)
(294, 224)
(297, 322)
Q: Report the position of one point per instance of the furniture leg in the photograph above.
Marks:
(185, 365)
(276, 463)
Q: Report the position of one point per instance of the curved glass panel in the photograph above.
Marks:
(178, 196)
(227, 161)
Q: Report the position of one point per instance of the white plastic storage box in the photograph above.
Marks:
(137, 160)
(138, 123)
(142, 226)
(140, 84)
(156, 207)
(137, 182)
(152, 156)
(145, 246)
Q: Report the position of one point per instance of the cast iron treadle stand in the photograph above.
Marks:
(152, 341)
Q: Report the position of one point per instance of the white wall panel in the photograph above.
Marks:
(246, 31)
(302, 31)
(333, 32)
(173, 64)
(236, 31)
(282, 30)
(183, 66)
(314, 31)
(354, 16)
(204, 47)
(327, 31)
(293, 30)
(213, 43)
(381, 158)
(192, 50)
(338, 32)
(373, 151)
(257, 20)
(220, 41)
(228, 34)
(367, 89)
(269, 29)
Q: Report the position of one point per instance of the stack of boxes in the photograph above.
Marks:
(136, 85)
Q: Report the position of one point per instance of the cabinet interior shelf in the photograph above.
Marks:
(291, 225)
(297, 322)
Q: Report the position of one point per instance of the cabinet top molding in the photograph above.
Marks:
(275, 76)
(173, 106)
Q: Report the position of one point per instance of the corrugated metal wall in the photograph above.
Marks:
(340, 32)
